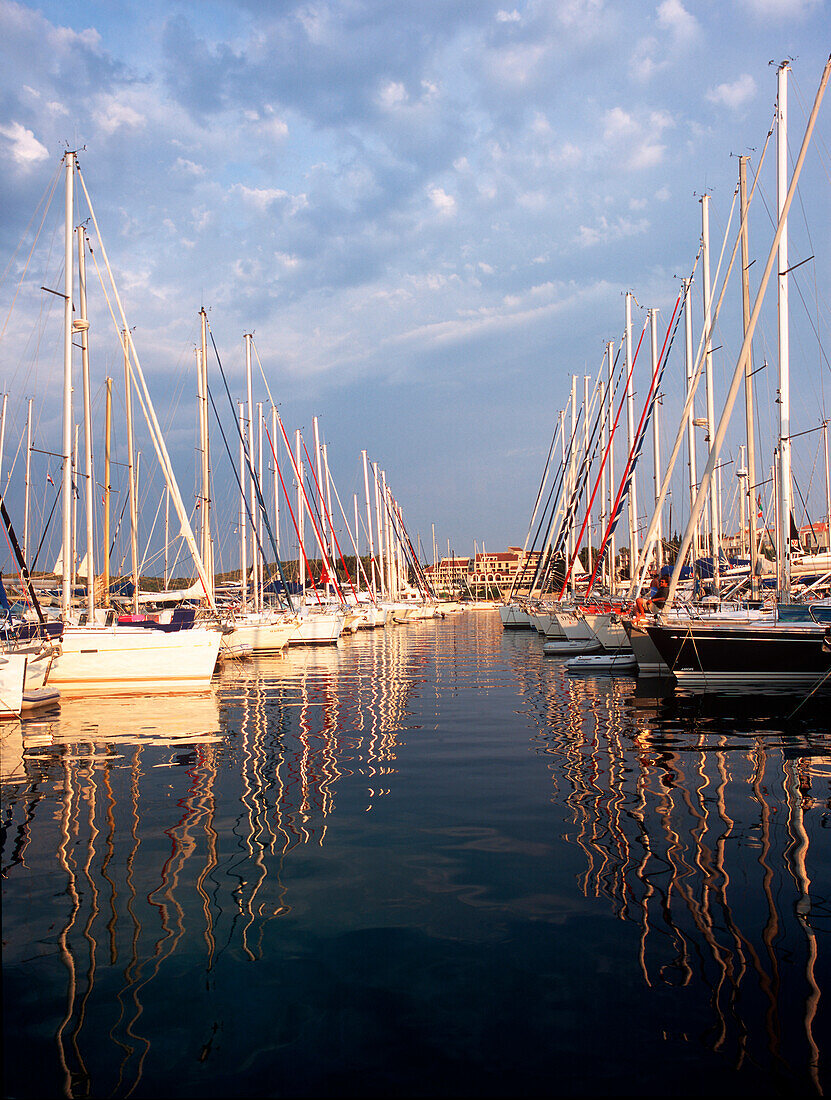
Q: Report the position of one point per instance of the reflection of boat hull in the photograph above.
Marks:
(127, 660)
(721, 654)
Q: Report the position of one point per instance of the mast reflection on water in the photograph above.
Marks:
(170, 876)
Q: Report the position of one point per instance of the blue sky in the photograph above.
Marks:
(427, 213)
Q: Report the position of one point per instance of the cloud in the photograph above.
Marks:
(25, 148)
(444, 203)
(636, 140)
(674, 17)
(734, 95)
(604, 231)
(780, 10)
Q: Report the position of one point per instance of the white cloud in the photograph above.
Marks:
(674, 17)
(780, 10)
(114, 115)
(188, 167)
(392, 94)
(444, 203)
(735, 94)
(603, 231)
(508, 16)
(25, 148)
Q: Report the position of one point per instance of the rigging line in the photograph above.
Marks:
(302, 489)
(539, 495)
(249, 462)
(581, 482)
(541, 571)
(332, 529)
(48, 203)
(624, 484)
(291, 513)
(321, 541)
(358, 563)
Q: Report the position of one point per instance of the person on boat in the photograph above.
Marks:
(657, 594)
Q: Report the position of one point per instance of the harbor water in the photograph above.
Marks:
(425, 862)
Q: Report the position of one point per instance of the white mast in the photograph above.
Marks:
(586, 381)
(207, 544)
(131, 472)
(243, 519)
(715, 489)
(656, 437)
(690, 368)
(750, 483)
(379, 527)
(3, 431)
(66, 480)
(248, 477)
(298, 473)
(276, 482)
(81, 326)
(260, 549)
(785, 488)
(29, 482)
(630, 438)
(329, 504)
(610, 355)
(369, 522)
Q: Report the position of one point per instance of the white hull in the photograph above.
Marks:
(318, 628)
(261, 634)
(589, 664)
(608, 630)
(12, 675)
(515, 618)
(127, 660)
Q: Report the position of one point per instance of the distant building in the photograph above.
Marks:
(499, 568)
(485, 570)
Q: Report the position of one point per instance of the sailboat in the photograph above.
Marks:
(757, 649)
(99, 654)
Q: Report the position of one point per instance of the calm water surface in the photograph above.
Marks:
(425, 863)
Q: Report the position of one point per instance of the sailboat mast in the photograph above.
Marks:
(131, 471)
(586, 380)
(300, 509)
(260, 543)
(276, 481)
(785, 488)
(630, 439)
(715, 488)
(27, 486)
(243, 538)
(610, 359)
(108, 418)
(690, 369)
(750, 487)
(369, 522)
(202, 366)
(656, 438)
(3, 431)
(82, 326)
(252, 491)
(66, 479)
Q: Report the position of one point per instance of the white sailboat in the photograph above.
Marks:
(98, 654)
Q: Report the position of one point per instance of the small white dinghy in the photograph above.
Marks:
(36, 699)
(609, 661)
(564, 648)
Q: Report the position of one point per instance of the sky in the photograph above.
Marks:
(426, 213)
